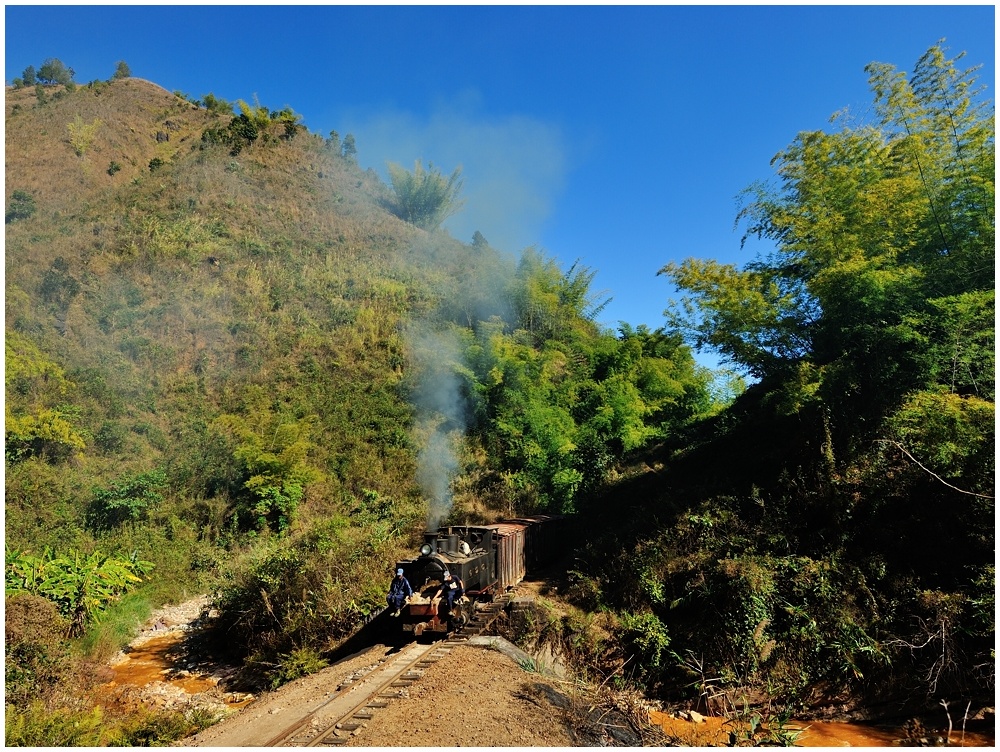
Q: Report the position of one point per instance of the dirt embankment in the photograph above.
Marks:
(514, 702)
(507, 705)
(485, 695)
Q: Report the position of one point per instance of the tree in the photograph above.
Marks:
(121, 71)
(54, 71)
(29, 77)
(870, 329)
(290, 121)
(425, 197)
(272, 457)
(349, 149)
(871, 223)
(213, 103)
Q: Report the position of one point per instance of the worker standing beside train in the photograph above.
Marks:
(399, 591)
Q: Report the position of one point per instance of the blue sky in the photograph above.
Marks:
(619, 137)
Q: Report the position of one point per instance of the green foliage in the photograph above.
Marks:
(46, 434)
(254, 122)
(349, 149)
(873, 223)
(290, 122)
(58, 285)
(272, 458)
(121, 71)
(20, 206)
(293, 595)
(424, 197)
(761, 727)
(951, 435)
(128, 500)
(559, 401)
(54, 71)
(80, 586)
(28, 78)
(296, 664)
(156, 163)
(215, 104)
(119, 623)
(646, 639)
(113, 168)
(40, 726)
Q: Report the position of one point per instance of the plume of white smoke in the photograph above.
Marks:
(442, 416)
(513, 166)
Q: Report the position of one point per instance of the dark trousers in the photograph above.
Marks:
(396, 601)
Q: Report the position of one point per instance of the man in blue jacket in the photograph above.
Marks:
(399, 591)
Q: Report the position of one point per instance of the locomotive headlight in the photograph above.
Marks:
(425, 550)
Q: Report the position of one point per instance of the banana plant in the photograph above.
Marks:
(80, 585)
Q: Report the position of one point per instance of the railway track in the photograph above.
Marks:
(353, 705)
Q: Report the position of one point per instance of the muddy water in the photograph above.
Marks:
(715, 732)
(156, 660)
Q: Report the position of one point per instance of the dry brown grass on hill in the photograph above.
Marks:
(40, 156)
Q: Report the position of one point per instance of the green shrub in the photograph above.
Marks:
(36, 659)
(20, 206)
(122, 71)
(129, 499)
(425, 197)
(298, 663)
(46, 434)
(645, 637)
(40, 726)
(213, 103)
(155, 163)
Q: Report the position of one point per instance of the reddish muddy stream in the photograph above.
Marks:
(715, 732)
(158, 660)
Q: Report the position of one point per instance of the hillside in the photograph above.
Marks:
(234, 369)
(170, 292)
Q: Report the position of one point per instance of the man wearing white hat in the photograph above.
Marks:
(452, 588)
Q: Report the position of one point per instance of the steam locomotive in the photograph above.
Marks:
(488, 559)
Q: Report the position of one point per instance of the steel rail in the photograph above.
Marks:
(353, 703)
